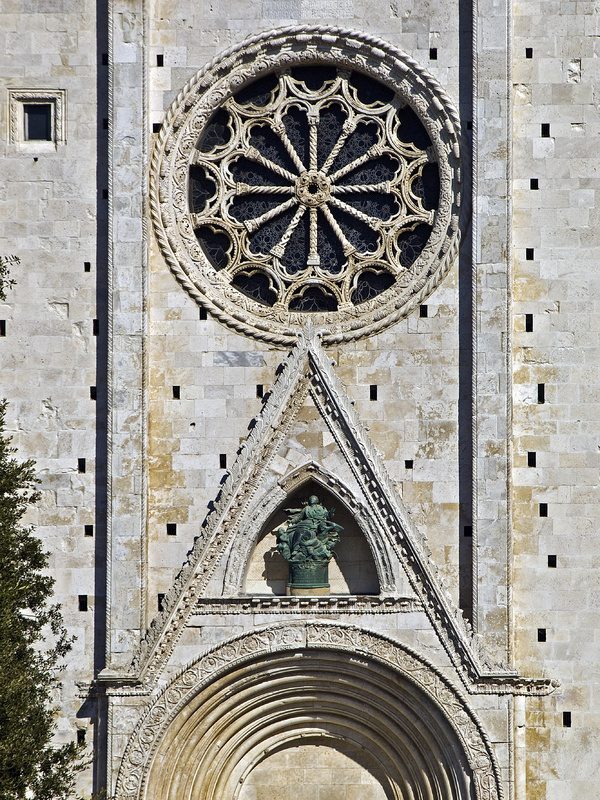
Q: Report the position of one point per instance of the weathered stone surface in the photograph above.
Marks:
(458, 405)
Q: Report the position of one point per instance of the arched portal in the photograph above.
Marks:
(330, 686)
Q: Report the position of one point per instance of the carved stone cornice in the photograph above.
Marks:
(354, 604)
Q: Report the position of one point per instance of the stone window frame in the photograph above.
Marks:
(18, 99)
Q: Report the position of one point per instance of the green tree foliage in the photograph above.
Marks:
(6, 282)
(33, 640)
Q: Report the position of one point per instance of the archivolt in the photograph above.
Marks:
(278, 686)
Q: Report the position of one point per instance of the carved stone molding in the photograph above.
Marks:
(206, 239)
(246, 540)
(308, 368)
(450, 706)
(18, 98)
(354, 604)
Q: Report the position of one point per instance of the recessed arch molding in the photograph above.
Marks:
(315, 681)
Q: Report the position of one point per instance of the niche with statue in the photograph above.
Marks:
(312, 545)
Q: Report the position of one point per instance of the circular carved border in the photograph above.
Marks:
(226, 75)
(213, 665)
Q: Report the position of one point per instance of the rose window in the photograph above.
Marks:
(324, 180)
(324, 188)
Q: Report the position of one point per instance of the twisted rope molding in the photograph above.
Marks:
(433, 106)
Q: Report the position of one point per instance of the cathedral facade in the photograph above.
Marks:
(304, 342)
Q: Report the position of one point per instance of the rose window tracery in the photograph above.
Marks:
(327, 181)
(299, 177)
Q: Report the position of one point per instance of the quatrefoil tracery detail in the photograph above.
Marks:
(314, 189)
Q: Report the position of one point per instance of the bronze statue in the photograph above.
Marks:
(307, 543)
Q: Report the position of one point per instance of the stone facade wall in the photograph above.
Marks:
(51, 216)
(556, 84)
(446, 400)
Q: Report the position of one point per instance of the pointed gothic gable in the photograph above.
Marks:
(308, 371)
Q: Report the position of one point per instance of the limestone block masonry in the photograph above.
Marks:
(343, 248)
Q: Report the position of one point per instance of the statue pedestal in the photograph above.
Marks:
(304, 591)
(308, 578)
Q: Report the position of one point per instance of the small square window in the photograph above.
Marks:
(38, 122)
(36, 118)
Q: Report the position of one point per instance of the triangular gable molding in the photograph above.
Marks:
(464, 647)
(308, 368)
(254, 456)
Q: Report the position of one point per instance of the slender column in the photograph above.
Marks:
(127, 256)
